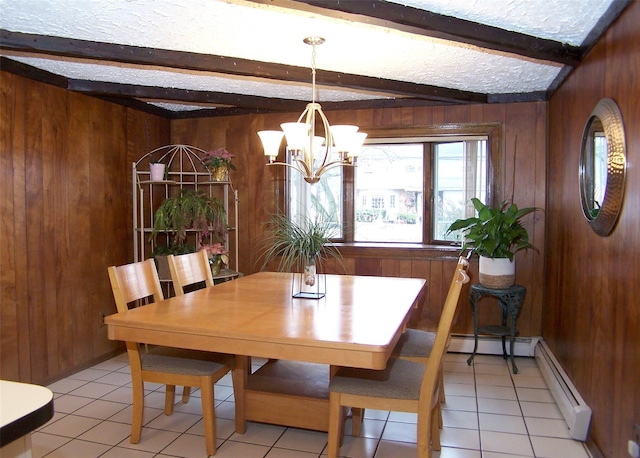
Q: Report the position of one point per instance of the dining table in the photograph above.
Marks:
(357, 323)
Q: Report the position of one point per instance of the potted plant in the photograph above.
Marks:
(188, 210)
(218, 161)
(496, 234)
(156, 168)
(300, 245)
(218, 256)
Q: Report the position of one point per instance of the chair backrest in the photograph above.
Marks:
(187, 269)
(430, 378)
(132, 282)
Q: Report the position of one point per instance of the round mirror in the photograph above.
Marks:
(603, 167)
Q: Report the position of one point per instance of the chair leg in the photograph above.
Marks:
(169, 399)
(208, 414)
(335, 425)
(186, 392)
(441, 395)
(357, 417)
(436, 416)
(424, 435)
(138, 410)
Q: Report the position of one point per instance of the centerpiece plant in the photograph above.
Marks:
(300, 244)
(495, 234)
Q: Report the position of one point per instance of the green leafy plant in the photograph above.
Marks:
(297, 243)
(188, 210)
(496, 232)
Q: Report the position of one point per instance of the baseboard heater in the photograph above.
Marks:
(575, 411)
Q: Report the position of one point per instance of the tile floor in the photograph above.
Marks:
(489, 413)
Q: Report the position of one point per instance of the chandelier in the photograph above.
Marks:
(311, 154)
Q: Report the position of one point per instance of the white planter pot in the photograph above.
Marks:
(156, 171)
(499, 273)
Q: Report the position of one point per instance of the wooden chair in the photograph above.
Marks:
(404, 386)
(168, 366)
(416, 345)
(188, 269)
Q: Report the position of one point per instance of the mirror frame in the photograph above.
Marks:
(608, 113)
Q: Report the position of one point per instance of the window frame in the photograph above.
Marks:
(492, 131)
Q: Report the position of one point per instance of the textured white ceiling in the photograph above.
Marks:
(236, 28)
(567, 21)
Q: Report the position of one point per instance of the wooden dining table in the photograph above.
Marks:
(357, 324)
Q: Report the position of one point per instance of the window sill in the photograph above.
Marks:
(397, 250)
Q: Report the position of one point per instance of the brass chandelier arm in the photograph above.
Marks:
(302, 143)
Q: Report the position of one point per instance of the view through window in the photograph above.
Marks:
(403, 191)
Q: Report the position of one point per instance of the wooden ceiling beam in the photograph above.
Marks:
(426, 23)
(135, 55)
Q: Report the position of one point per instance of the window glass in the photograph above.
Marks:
(321, 201)
(389, 193)
(460, 173)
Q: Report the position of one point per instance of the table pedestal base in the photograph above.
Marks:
(287, 393)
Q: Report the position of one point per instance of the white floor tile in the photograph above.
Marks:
(460, 438)
(546, 447)
(304, 440)
(100, 409)
(151, 440)
(188, 446)
(119, 452)
(178, 422)
(468, 404)
(460, 419)
(547, 427)
(400, 432)
(285, 453)
(79, 448)
(89, 375)
(514, 444)
(93, 390)
(231, 449)
(107, 432)
(357, 447)
(388, 449)
(66, 385)
(535, 395)
(68, 403)
(497, 392)
(70, 426)
(260, 434)
(499, 406)
(541, 410)
(502, 423)
(42, 443)
(487, 407)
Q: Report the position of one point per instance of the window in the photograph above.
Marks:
(405, 188)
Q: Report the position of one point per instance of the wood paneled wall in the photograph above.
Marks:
(66, 181)
(591, 317)
(260, 189)
(65, 185)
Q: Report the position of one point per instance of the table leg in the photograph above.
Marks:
(512, 339)
(240, 376)
(473, 299)
(504, 323)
